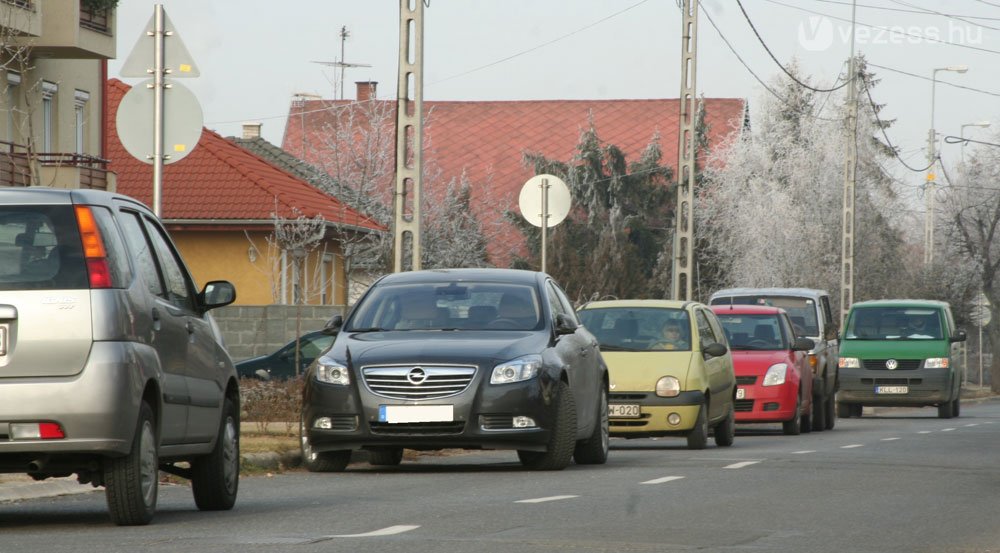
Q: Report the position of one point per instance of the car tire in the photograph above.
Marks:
(819, 413)
(807, 419)
(725, 431)
(385, 456)
(698, 437)
(793, 426)
(215, 478)
(845, 410)
(327, 461)
(594, 450)
(946, 410)
(831, 412)
(562, 438)
(131, 482)
(957, 408)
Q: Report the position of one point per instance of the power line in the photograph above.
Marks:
(773, 57)
(949, 16)
(950, 139)
(886, 29)
(926, 78)
(918, 11)
(888, 142)
(988, 3)
(774, 93)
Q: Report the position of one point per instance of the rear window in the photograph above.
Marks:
(801, 311)
(40, 249)
(894, 323)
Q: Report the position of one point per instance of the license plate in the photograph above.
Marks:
(627, 411)
(416, 413)
(741, 393)
(892, 390)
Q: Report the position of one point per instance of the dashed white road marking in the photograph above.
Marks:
(545, 499)
(803, 452)
(889, 439)
(973, 424)
(390, 531)
(852, 446)
(924, 432)
(947, 429)
(741, 465)
(662, 480)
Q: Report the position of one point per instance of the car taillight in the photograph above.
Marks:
(93, 248)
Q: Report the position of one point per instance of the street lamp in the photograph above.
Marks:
(931, 157)
(961, 134)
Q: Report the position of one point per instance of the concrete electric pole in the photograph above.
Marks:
(409, 137)
(683, 265)
(850, 177)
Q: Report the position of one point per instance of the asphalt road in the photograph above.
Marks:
(900, 481)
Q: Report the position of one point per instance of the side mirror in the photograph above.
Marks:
(333, 326)
(715, 350)
(803, 344)
(564, 325)
(958, 336)
(217, 293)
(262, 374)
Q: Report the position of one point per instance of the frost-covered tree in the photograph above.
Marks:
(769, 210)
(611, 243)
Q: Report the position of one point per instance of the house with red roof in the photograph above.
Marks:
(485, 142)
(221, 204)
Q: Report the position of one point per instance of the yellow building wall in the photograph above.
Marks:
(246, 260)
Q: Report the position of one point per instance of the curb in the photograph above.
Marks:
(28, 489)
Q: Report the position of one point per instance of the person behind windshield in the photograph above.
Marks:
(670, 337)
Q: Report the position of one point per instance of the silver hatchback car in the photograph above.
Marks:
(110, 367)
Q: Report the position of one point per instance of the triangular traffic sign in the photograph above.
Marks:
(176, 57)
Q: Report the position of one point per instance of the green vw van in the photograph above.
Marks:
(900, 353)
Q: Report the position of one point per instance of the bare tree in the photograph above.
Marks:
(20, 89)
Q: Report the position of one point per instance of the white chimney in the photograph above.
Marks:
(251, 130)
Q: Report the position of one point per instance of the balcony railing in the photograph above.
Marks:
(62, 170)
(95, 19)
(15, 170)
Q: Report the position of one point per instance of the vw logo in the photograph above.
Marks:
(891, 364)
(416, 376)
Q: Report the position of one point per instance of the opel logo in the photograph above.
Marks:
(416, 376)
(891, 364)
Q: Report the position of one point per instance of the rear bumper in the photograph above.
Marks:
(923, 386)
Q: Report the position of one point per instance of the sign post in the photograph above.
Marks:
(544, 202)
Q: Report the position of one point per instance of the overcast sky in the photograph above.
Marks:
(253, 55)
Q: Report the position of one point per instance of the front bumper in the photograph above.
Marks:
(654, 410)
(767, 403)
(482, 418)
(923, 387)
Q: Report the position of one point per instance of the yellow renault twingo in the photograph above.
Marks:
(670, 367)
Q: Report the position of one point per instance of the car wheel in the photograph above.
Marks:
(793, 427)
(819, 413)
(327, 461)
(946, 410)
(562, 437)
(831, 412)
(844, 410)
(698, 437)
(131, 482)
(957, 408)
(594, 450)
(725, 431)
(807, 419)
(385, 456)
(215, 478)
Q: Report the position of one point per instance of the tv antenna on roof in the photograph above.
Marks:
(344, 33)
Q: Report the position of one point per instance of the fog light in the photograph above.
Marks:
(323, 423)
(674, 419)
(771, 406)
(36, 431)
(524, 422)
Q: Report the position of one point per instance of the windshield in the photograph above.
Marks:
(448, 306)
(894, 323)
(754, 332)
(801, 311)
(639, 328)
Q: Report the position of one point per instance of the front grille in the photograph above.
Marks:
(418, 428)
(743, 405)
(892, 381)
(496, 422)
(344, 423)
(630, 423)
(614, 398)
(746, 380)
(418, 382)
(904, 364)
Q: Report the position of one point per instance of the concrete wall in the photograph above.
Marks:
(252, 330)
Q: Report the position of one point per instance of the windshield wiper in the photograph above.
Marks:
(609, 347)
(369, 329)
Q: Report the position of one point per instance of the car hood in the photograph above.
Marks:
(894, 349)
(756, 363)
(453, 347)
(638, 371)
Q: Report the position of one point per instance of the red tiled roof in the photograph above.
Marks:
(487, 140)
(219, 181)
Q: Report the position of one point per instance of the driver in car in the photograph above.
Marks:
(670, 337)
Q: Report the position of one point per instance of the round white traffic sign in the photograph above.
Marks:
(182, 122)
(531, 200)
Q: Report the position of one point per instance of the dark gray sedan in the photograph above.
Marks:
(458, 358)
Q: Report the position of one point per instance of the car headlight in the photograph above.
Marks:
(936, 363)
(776, 374)
(668, 386)
(331, 372)
(849, 363)
(516, 370)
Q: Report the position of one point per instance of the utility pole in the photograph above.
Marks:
(850, 178)
(929, 195)
(681, 281)
(409, 136)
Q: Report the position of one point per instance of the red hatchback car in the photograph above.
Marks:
(769, 361)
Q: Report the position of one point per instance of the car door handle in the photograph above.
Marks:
(156, 319)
